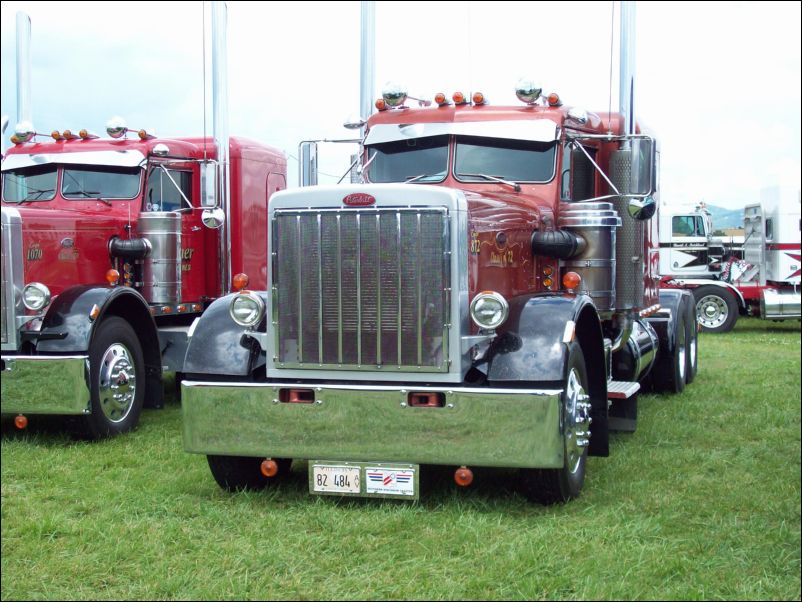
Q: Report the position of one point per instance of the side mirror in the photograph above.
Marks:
(208, 185)
(643, 174)
(307, 168)
(642, 209)
(213, 218)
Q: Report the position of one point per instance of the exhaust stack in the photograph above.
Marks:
(24, 112)
(367, 60)
(221, 135)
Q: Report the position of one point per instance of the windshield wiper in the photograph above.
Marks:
(90, 195)
(515, 185)
(421, 176)
(34, 194)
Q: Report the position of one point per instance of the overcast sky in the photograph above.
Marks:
(718, 83)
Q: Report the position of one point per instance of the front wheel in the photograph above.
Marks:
(716, 308)
(670, 371)
(552, 485)
(117, 375)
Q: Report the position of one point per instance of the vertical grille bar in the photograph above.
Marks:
(399, 332)
(419, 278)
(358, 290)
(378, 292)
(319, 288)
(299, 266)
(339, 291)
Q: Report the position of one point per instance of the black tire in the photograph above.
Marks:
(670, 371)
(236, 473)
(716, 308)
(691, 340)
(117, 380)
(553, 485)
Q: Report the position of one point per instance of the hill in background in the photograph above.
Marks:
(726, 218)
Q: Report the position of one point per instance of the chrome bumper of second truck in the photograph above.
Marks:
(44, 385)
(516, 428)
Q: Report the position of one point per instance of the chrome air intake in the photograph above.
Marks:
(363, 289)
(596, 223)
(161, 271)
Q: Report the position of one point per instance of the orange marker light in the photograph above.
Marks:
(547, 282)
(269, 468)
(478, 98)
(458, 98)
(94, 312)
(440, 99)
(84, 134)
(554, 100)
(548, 270)
(463, 476)
(113, 277)
(381, 104)
(21, 422)
(240, 281)
(56, 135)
(571, 280)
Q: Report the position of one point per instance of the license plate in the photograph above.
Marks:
(364, 479)
(336, 479)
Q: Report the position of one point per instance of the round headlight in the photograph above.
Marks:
(489, 310)
(247, 309)
(35, 296)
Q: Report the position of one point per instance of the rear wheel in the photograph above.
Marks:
(117, 374)
(670, 371)
(235, 473)
(552, 485)
(691, 341)
(716, 308)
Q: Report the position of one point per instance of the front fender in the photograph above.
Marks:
(219, 345)
(530, 346)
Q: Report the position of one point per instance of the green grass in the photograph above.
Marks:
(702, 502)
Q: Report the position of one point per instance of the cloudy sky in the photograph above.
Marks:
(718, 83)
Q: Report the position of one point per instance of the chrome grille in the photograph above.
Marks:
(361, 289)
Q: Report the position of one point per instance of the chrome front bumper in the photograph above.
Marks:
(45, 385)
(477, 427)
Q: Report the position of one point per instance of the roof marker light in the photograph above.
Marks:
(381, 105)
(554, 100)
(146, 134)
(458, 98)
(478, 98)
(56, 135)
(441, 99)
(69, 135)
(87, 135)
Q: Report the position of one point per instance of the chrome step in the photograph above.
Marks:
(621, 389)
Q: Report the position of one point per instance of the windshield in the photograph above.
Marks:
(421, 159)
(515, 160)
(100, 182)
(30, 184)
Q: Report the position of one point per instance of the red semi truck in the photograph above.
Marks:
(108, 257)
(486, 296)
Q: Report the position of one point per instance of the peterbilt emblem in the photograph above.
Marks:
(68, 243)
(359, 199)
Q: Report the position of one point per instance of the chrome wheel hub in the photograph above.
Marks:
(117, 385)
(577, 421)
(711, 311)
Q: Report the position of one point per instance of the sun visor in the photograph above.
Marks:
(541, 130)
(121, 158)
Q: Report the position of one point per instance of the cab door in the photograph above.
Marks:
(170, 187)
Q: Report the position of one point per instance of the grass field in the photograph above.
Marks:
(702, 502)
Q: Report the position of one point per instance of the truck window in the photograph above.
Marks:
(162, 194)
(81, 183)
(683, 225)
(424, 159)
(516, 160)
(30, 184)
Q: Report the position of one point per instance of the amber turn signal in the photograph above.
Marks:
(269, 468)
(463, 476)
(571, 280)
(112, 277)
(240, 281)
(21, 422)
